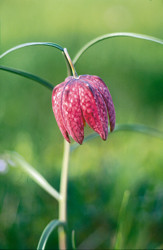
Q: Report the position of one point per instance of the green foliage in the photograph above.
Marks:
(100, 172)
(46, 233)
(28, 75)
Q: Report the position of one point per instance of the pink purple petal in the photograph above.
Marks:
(56, 104)
(98, 83)
(93, 108)
(71, 110)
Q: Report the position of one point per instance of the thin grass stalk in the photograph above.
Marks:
(63, 193)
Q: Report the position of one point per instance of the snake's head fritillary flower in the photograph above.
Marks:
(85, 99)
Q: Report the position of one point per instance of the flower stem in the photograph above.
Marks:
(70, 64)
(63, 193)
(64, 171)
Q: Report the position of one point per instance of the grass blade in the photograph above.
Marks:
(28, 75)
(140, 128)
(46, 233)
(73, 240)
(121, 220)
(31, 44)
(125, 127)
(13, 158)
(112, 35)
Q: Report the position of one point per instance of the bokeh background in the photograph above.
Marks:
(101, 173)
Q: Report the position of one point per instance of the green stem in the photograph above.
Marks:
(140, 128)
(16, 159)
(70, 64)
(63, 193)
(112, 35)
(64, 172)
(28, 75)
(57, 46)
(69, 69)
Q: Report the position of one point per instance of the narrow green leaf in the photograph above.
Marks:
(46, 233)
(14, 158)
(31, 44)
(111, 35)
(73, 240)
(121, 220)
(125, 127)
(28, 75)
(140, 128)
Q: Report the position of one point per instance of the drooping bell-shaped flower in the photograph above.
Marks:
(80, 100)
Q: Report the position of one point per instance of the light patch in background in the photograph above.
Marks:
(3, 167)
(116, 14)
(24, 145)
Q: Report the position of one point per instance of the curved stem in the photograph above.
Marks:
(140, 128)
(111, 35)
(70, 64)
(29, 76)
(31, 44)
(69, 69)
(63, 193)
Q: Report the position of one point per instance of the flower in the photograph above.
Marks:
(80, 100)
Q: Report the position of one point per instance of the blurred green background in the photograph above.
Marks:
(100, 172)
